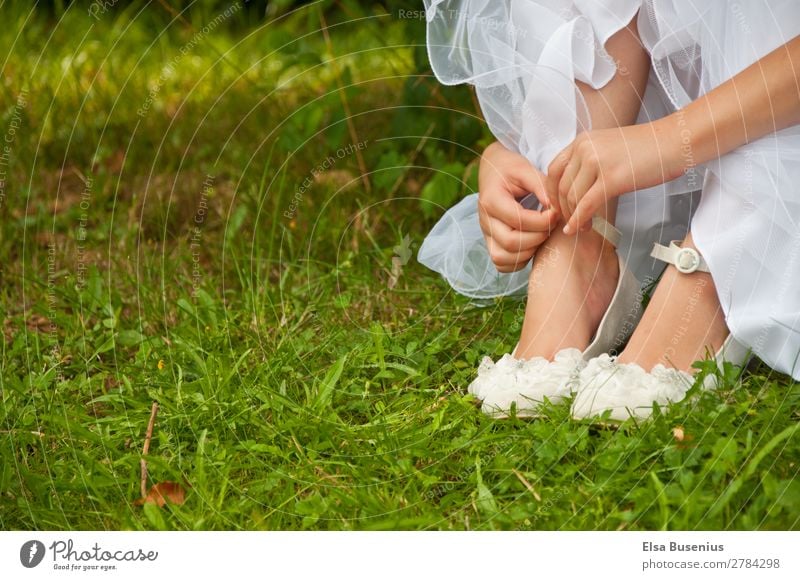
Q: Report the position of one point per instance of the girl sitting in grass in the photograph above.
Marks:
(632, 136)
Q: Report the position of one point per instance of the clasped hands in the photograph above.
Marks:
(582, 179)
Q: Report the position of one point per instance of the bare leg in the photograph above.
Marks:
(574, 278)
(683, 322)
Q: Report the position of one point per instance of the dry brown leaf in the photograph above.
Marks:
(39, 323)
(162, 493)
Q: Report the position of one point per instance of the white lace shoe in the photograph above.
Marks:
(627, 390)
(525, 384)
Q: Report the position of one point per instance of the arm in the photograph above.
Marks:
(600, 165)
(762, 99)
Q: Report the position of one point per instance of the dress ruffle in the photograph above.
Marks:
(523, 57)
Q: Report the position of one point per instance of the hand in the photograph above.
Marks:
(512, 232)
(601, 165)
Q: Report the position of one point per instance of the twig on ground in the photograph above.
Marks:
(527, 485)
(20, 432)
(146, 448)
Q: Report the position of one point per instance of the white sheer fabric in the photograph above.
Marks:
(747, 225)
(523, 57)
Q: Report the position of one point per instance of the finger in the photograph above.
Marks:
(560, 161)
(554, 172)
(587, 207)
(486, 221)
(505, 261)
(510, 212)
(586, 177)
(513, 240)
(483, 219)
(533, 181)
(564, 185)
(521, 262)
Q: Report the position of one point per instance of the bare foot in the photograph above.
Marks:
(682, 323)
(570, 287)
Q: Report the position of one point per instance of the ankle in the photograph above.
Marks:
(592, 247)
(571, 285)
(684, 323)
(597, 261)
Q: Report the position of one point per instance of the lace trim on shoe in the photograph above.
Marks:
(626, 389)
(525, 383)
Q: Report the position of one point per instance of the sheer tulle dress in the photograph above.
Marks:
(523, 58)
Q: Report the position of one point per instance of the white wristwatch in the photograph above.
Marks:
(686, 260)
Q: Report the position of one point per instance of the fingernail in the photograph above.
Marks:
(567, 229)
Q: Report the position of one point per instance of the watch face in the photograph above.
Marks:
(688, 260)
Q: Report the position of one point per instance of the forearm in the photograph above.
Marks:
(762, 99)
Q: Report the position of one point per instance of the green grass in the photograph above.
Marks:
(301, 382)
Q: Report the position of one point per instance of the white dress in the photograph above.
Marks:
(523, 57)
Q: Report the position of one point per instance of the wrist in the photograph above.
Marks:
(674, 142)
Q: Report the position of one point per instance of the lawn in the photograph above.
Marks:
(217, 210)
